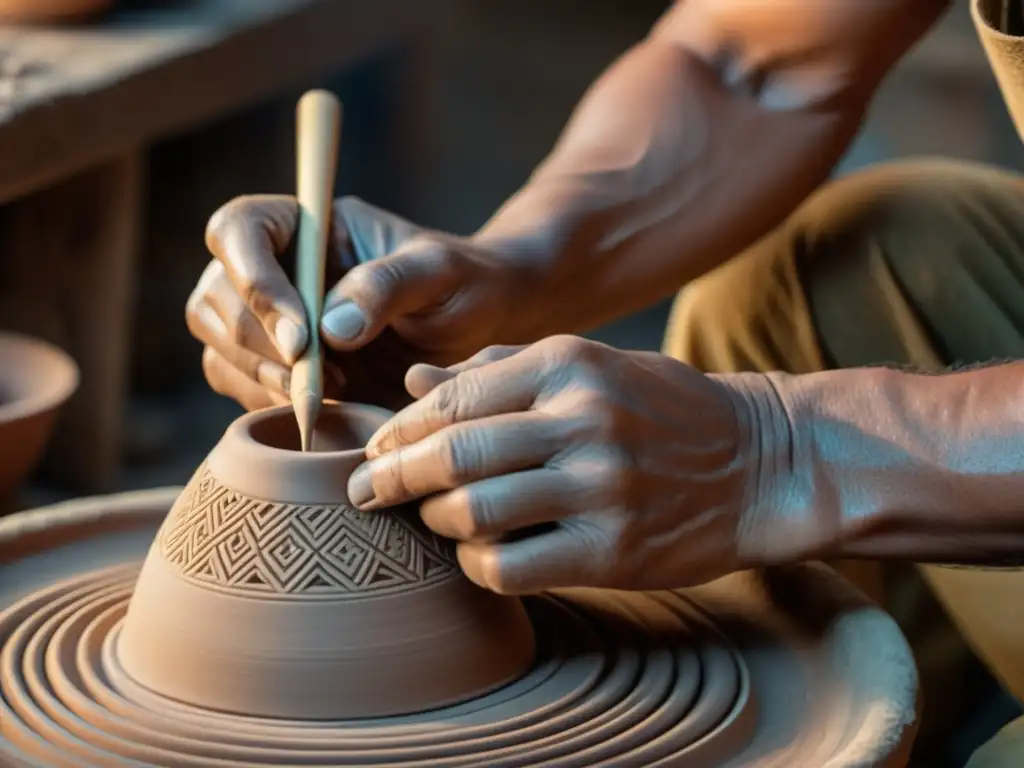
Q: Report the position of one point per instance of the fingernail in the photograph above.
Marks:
(274, 376)
(290, 338)
(344, 322)
(360, 486)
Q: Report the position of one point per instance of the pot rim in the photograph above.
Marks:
(56, 375)
(246, 465)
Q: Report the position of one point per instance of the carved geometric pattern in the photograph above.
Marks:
(221, 539)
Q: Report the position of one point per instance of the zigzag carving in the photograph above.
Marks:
(222, 539)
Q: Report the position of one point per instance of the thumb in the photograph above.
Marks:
(373, 294)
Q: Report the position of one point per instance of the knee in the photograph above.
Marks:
(880, 205)
(753, 312)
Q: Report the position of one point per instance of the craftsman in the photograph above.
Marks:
(891, 299)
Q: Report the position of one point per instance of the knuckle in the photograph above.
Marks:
(212, 370)
(591, 414)
(255, 292)
(239, 322)
(565, 347)
(426, 244)
(496, 352)
(193, 321)
(446, 401)
(371, 281)
(207, 285)
(224, 220)
(451, 399)
(463, 454)
(394, 434)
(192, 304)
(479, 520)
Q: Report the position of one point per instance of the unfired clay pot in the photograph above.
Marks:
(267, 593)
(52, 11)
(35, 381)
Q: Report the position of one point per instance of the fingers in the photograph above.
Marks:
(243, 328)
(419, 274)
(422, 378)
(488, 509)
(505, 386)
(456, 456)
(247, 236)
(560, 557)
(217, 317)
(227, 380)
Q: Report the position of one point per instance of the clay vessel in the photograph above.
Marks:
(1004, 52)
(36, 379)
(51, 11)
(266, 593)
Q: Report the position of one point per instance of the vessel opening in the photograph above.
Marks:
(336, 430)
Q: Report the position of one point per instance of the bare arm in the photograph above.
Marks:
(697, 142)
(889, 464)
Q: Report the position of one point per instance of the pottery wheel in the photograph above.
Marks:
(728, 674)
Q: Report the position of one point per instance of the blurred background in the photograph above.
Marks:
(442, 124)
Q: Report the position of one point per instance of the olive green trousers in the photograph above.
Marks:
(918, 263)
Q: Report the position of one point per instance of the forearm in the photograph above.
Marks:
(696, 143)
(652, 185)
(889, 464)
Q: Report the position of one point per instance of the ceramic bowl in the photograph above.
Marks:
(267, 593)
(36, 379)
(52, 11)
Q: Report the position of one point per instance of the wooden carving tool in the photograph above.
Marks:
(318, 135)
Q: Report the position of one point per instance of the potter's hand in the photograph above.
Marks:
(404, 295)
(611, 468)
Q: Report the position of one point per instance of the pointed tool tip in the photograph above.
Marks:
(307, 409)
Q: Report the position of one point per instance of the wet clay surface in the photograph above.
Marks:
(719, 676)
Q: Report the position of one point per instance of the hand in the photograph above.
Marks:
(404, 295)
(569, 463)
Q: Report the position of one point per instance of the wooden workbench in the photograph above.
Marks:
(79, 107)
